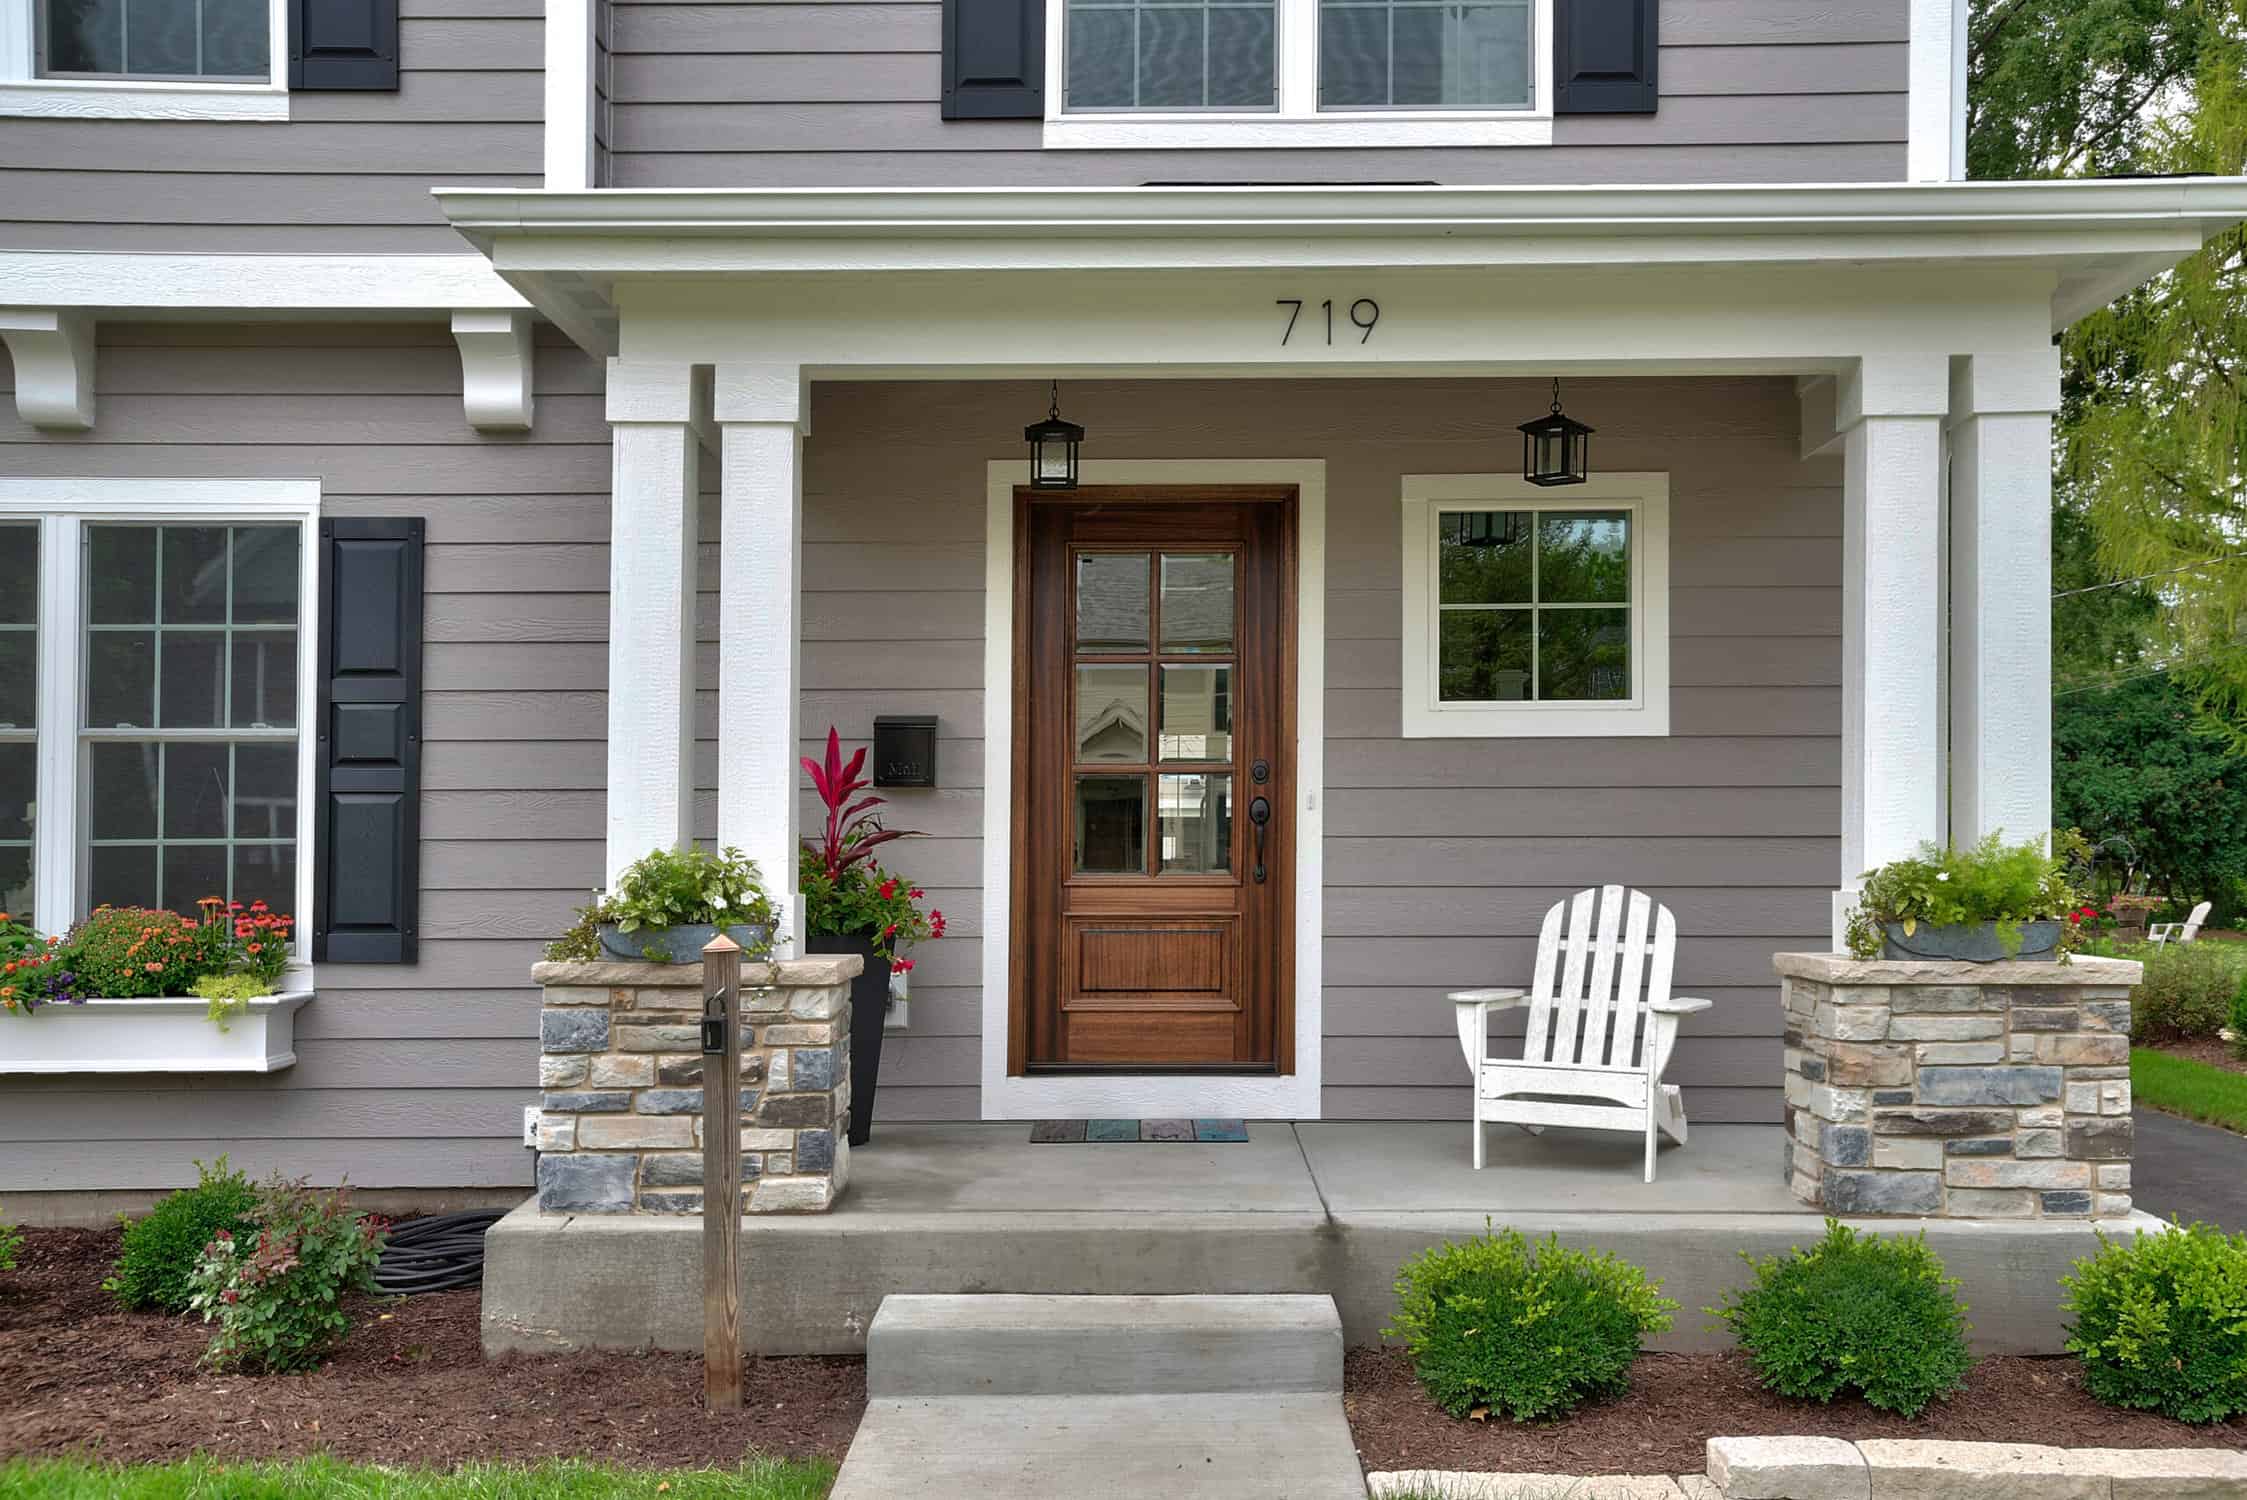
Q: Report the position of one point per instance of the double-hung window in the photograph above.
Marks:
(144, 59)
(154, 685)
(1533, 611)
(1299, 72)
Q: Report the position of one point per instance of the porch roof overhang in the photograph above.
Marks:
(565, 251)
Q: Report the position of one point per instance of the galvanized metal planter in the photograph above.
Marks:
(682, 945)
(1968, 942)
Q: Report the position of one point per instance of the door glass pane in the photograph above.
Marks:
(1483, 556)
(1584, 653)
(1197, 822)
(1112, 714)
(1197, 713)
(1111, 817)
(1112, 601)
(1483, 656)
(1583, 558)
(1197, 601)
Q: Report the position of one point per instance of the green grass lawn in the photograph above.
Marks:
(2181, 1086)
(326, 1479)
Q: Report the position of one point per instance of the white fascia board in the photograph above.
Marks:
(253, 285)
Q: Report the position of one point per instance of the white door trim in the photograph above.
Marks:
(1152, 1096)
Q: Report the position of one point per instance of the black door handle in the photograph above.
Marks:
(1259, 814)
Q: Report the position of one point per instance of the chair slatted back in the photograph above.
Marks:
(1603, 957)
(2193, 922)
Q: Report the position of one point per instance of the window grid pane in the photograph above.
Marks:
(1533, 649)
(218, 40)
(1424, 54)
(1172, 55)
(192, 792)
(19, 713)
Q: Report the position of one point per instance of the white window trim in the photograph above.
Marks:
(1647, 497)
(62, 507)
(24, 93)
(1298, 123)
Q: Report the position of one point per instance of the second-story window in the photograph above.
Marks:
(1424, 54)
(1171, 54)
(220, 41)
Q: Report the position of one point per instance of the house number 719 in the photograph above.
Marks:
(1364, 313)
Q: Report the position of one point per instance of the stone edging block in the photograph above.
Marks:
(1464, 1484)
(1797, 1468)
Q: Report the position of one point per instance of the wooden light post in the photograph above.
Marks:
(721, 1175)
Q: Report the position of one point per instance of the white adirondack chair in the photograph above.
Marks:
(1602, 1022)
(2186, 931)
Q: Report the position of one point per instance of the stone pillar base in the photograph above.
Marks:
(1956, 1090)
(620, 1127)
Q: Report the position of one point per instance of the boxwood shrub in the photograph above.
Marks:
(2160, 1324)
(1869, 1313)
(159, 1254)
(1524, 1330)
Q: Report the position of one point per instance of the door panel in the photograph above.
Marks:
(1154, 667)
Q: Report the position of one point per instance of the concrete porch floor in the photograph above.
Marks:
(1330, 1207)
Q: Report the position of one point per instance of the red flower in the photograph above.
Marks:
(901, 966)
(153, 967)
(889, 889)
(915, 894)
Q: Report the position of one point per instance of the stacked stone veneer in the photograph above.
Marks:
(1955, 1090)
(620, 1061)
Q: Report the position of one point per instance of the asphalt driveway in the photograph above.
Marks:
(2189, 1170)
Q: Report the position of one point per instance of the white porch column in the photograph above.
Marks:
(2001, 593)
(1890, 411)
(762, 414)
(654, 466)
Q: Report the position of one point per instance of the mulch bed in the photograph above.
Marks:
(2205, 1049)
(1677, 1402)
(410, 1386)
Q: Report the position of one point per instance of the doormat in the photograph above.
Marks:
(1101, 1132)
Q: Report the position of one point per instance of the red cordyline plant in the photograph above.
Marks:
(846, 892)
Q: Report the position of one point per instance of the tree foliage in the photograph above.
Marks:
(2136, 760)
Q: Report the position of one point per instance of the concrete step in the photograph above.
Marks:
(1292, 1446)
(1003, 1345)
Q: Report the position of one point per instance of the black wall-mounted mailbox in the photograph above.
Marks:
(905, 750)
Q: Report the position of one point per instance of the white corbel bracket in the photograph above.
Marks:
(495, 369)
(54, 358)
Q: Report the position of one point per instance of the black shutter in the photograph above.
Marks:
(994, 59)
(343, 44)
(1603, 57)
(368, 829)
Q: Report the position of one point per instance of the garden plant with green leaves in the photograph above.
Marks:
(1857, 1312)
(1990, 881)
(2160, 1322)
(156, 1265)
(277, 1293)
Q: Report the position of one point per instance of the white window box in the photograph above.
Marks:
(153, 1036)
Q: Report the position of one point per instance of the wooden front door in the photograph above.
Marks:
(1154, 760)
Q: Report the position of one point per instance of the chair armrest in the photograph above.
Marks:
(1679, 1005)
(1489, 999)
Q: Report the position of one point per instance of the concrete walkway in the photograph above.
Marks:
(2188, 1169)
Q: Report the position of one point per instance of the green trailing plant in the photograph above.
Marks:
(277, 1294)
(1992, 881)
(11, 1245)
(1525, 1330)
(580, 942)
(2160, 1324)
(1863, 1312)
(690, 887)
(2188, 992)
(229, 995)
(157, 1260)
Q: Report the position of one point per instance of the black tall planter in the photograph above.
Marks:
(869, 1007)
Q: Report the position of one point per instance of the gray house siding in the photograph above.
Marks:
(347, 174)
(1441, 855)
(844, 92)
(409, 1076)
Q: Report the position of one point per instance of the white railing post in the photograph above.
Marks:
(655, 463)
(763, 414)
(1890, 411)
(2001, 593)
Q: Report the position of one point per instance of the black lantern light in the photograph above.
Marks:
(1053, 448)
(1555, 449)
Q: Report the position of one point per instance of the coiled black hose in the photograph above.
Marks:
(435, 1254)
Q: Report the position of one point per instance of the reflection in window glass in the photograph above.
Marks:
(1111, 602)
(1197, 601)
(1197, 822)
(219, 40)
(190, 713)
(1197, 713)
(1424, 54)
(1111, 817)
(1533, 606)
(19, 711)
(1112, 714)
(1171, 54)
